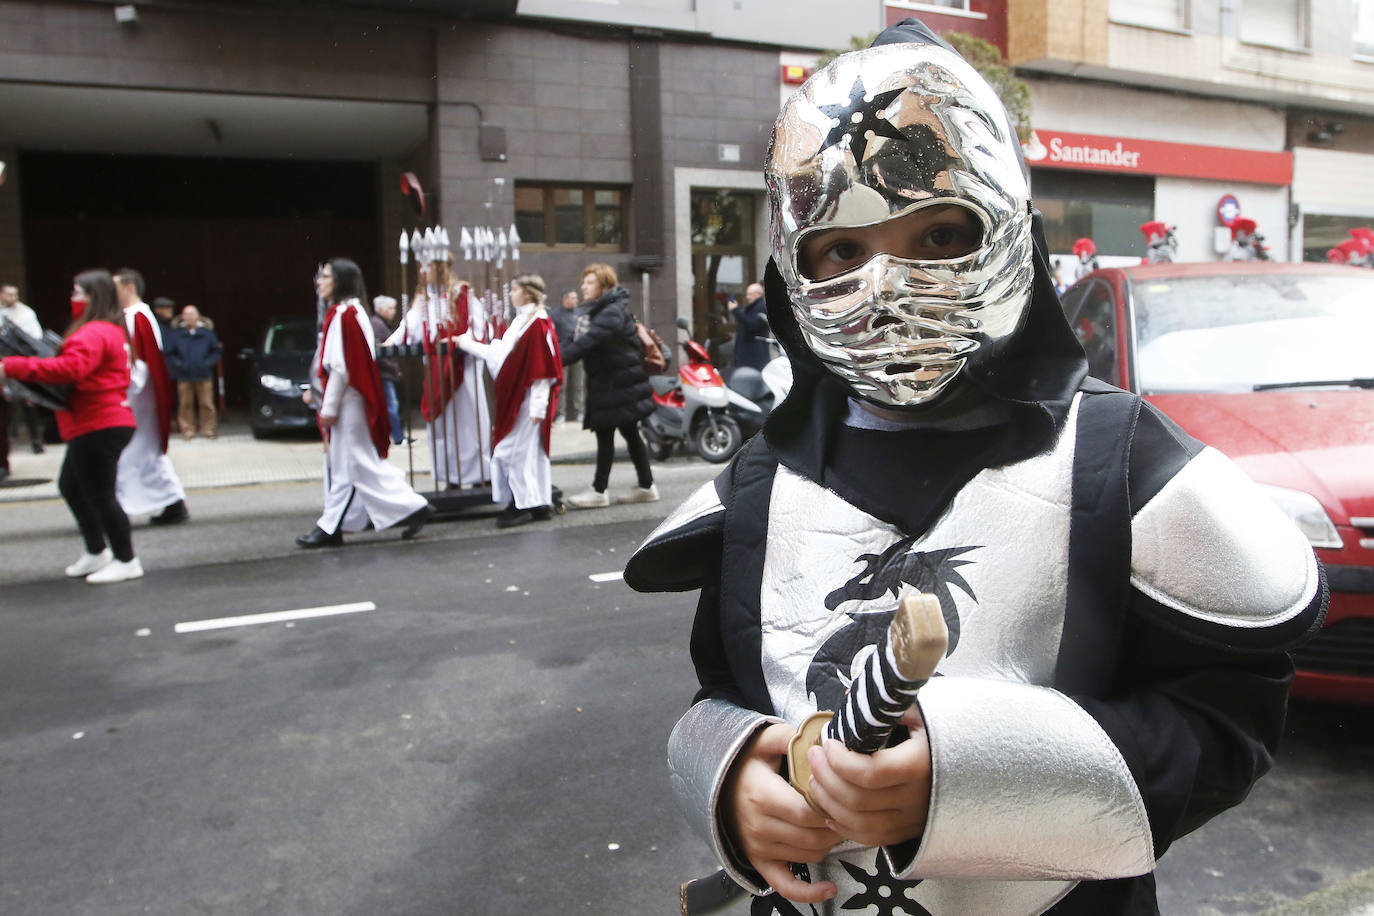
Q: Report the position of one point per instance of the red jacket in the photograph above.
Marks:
(96, 359)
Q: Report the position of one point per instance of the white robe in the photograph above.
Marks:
(520, 470)
(359, 485)
(146, 481)
(460, 437)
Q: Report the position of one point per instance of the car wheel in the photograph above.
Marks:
(718, 441)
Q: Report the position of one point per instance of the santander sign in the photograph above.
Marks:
(1065, 150)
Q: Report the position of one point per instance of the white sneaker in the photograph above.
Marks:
(117, 571)
(90, 562)
(647, 494)
(589, 499)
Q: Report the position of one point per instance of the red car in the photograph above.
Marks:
(1272, 364)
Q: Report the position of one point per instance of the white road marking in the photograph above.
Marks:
(195, 626)
(607, 577)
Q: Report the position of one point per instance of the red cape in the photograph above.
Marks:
(534, 357)
(444, 374)
(362, 376)
(145, 348)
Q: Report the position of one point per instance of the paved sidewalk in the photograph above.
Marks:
(236, 458)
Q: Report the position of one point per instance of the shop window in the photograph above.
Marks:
(1109, 209)
(961, 5)
(1278, 23)
(1156, 14)
(584, 216)
(1321, 232)
(1092, 315)
(1364, 28)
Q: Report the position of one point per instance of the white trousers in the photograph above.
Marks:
(146, 480)
(460, 437)
(359, 485)
(519, 466)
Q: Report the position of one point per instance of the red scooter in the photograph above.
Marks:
(692, 408)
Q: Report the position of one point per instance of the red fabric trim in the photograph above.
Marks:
(535, 356)
(146, 348)
(363, 377)
(444, 375)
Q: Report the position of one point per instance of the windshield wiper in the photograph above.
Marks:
(1333, 383)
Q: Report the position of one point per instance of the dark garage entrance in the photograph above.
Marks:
(238, 238)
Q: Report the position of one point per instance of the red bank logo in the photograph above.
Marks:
(1064, 150)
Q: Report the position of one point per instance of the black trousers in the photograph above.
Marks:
(87, 483)
(605, 454)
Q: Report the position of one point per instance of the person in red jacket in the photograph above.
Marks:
(96, 425)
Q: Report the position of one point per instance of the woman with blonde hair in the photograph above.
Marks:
(454, 404)
(528, 370)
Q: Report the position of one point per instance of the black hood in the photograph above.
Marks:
(1035, 377)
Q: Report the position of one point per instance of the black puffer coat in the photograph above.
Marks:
(618, 390)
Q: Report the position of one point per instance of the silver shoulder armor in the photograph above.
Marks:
(1025, 786)
(1214, 548)
(701, 748)
(674, 556)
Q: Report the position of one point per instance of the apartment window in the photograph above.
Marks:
(961, 6)
(586, 216)
(1155, 14)
(1278, 23)
(1364, 28)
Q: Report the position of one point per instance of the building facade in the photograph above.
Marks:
(1264, 104)
(226, 148)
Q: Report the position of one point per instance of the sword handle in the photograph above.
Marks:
(881, 692)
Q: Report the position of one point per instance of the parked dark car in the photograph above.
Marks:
(1272, 364)
(279, 372)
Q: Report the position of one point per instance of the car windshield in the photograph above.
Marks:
(1232, 332)
(289, 337)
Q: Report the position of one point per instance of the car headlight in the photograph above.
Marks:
(1307, 513)
(277, 383)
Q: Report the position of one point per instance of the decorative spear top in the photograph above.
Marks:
(502, 246)
(465, 240)
(431, 245)
(417, 246)
(405, 248)
(442, 236)
(514, 243)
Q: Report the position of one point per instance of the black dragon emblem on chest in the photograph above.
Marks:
(933, 571)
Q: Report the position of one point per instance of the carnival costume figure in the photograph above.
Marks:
(528, 370)
(1119, 598)
(1160, 243)
(1246, 242)
(146, 482)
(1086, 252)
(454, 403)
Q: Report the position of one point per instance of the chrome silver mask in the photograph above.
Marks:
(874, 136)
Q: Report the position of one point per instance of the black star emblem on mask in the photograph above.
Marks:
(869, 119)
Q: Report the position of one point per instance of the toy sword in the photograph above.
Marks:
(880, 694)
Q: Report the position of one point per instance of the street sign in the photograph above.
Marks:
(1228, 210)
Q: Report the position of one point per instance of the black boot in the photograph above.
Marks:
(318, 538)
(172, 515)
(514, 517)
(542, 513)
(415, 521)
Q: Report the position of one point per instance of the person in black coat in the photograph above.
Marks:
(751, 342)
(618, 390)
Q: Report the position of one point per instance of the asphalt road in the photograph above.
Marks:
(488, 740)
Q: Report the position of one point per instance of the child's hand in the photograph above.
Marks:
(876, 799)
(770, 822)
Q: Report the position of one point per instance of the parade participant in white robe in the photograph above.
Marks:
(528, 370)
(147, 482)
(454, 404)
(360, 487)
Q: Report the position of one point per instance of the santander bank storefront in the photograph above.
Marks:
(1103, 165)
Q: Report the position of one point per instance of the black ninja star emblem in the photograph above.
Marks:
(883, 892)
(863, 115)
